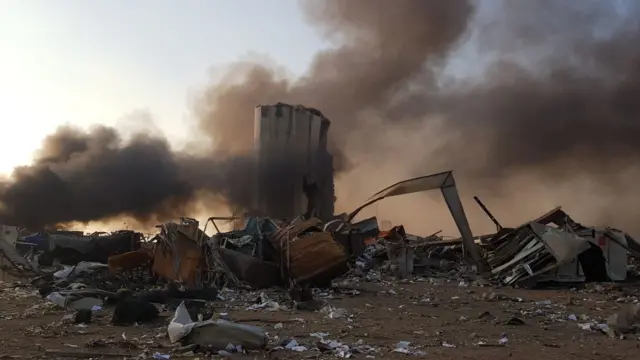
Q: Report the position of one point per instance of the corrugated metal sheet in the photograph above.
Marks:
(299, 135)
(293, 230)
(309, 254)
(316, 257)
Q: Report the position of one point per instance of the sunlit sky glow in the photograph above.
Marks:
(88, 62)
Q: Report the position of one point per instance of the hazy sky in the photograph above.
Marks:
(87, 62)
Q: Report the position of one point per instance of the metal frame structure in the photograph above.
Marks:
(447, 185)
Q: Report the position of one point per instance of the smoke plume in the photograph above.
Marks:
(546, 116)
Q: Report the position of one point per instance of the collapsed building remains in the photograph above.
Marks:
(295, 239)
(268, 252)
(554, 247)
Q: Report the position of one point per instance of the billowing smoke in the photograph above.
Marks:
(83, 176)
(380, 49)
(547, 116)
(561, 91)
(552, 119)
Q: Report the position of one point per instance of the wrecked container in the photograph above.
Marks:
(316, 258)
(309, 254)
(178, 256)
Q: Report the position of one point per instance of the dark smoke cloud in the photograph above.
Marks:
(572, 104)
(380, 47)
(85, 176)
(558, 100)
(82, 176)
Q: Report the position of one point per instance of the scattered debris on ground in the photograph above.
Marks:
(333, 289)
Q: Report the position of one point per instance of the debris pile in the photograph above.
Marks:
(183, 282)
(185, 271)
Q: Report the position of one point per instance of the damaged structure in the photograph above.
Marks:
(554, 247)
(299, 135)
(295, 240)
(11, 261)
(71, 247)
(309, 251)
(261, 255)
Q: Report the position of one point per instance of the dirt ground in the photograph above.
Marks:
(441, 320)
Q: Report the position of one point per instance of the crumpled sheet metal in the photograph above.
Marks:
(217, 334)
(419, 184)
(563, 246)
(316, 257)
(532, 250)
(179, 261)
(14, 257)
(308, 253)
(293, 230)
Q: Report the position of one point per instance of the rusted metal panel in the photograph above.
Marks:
(184, 254)
(130, 260)
(291, 231)
(316, 257)
(309, 254)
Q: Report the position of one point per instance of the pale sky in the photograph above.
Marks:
(88, 62)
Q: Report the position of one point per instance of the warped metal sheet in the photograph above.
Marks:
(519, 257)
(419, 184)
(563, 246)
(178, 260)
(13, 256)
(447, 185)
(316, 257)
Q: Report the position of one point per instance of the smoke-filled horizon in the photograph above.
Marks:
(551, 120)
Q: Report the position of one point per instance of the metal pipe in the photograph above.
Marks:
(486, 211)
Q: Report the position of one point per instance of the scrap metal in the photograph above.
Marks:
(446, 183)
(307, 253)
(540, 249)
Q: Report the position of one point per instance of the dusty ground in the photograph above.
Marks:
(431, 314)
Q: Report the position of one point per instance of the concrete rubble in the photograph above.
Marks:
(272, 285)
